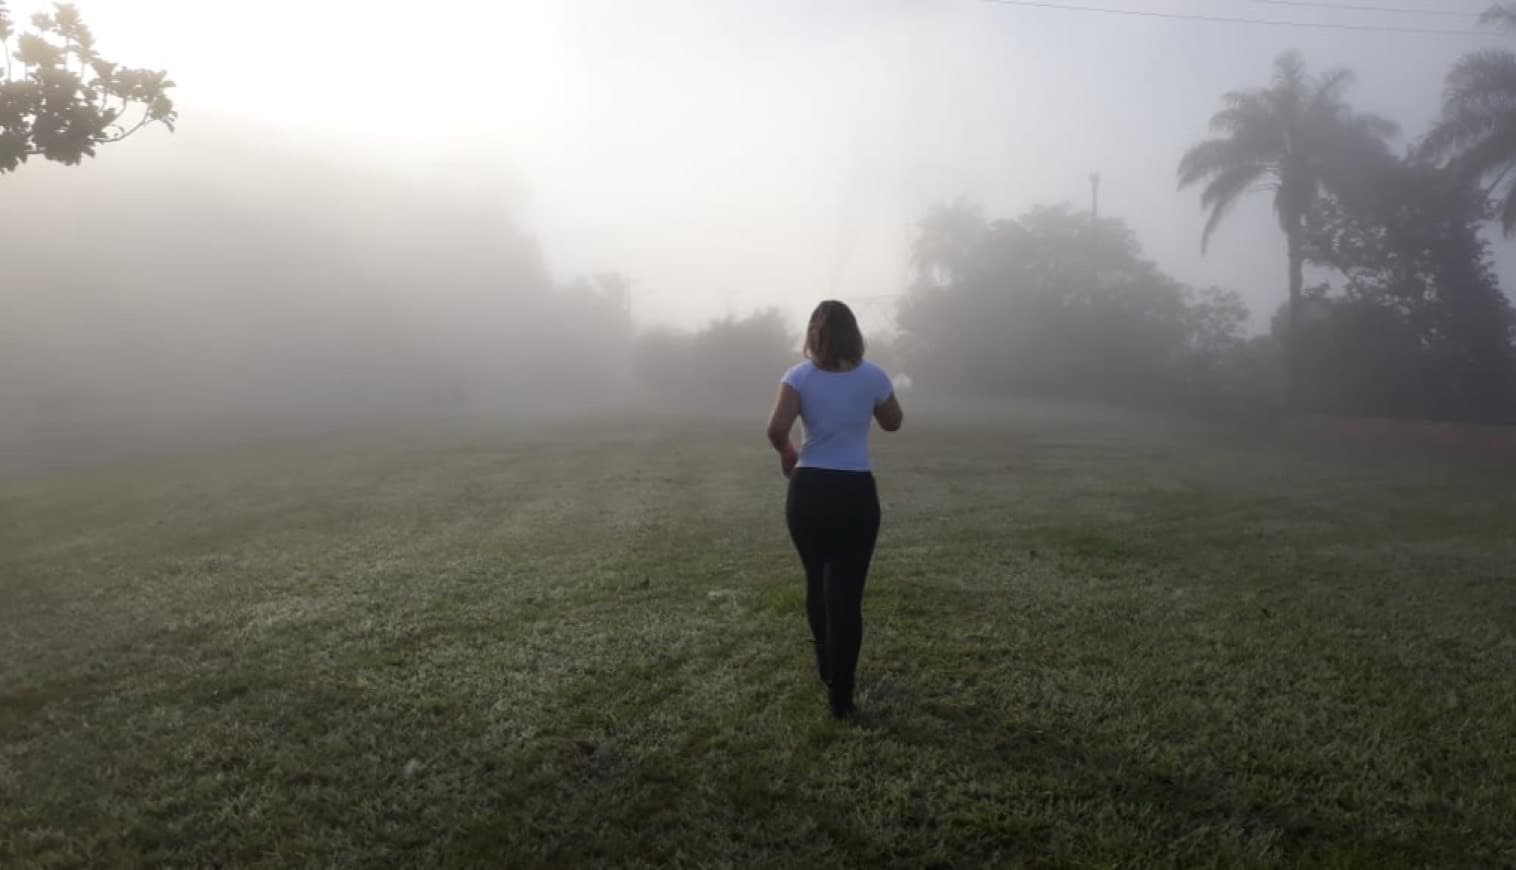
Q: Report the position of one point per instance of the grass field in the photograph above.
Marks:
(1089, 642)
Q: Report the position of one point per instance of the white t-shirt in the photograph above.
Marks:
(837, 409)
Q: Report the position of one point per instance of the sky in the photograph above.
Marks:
(732, 154)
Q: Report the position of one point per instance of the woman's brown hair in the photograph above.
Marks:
(832, 341)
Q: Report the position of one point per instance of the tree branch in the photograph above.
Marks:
(1489, 191)
(145, 120)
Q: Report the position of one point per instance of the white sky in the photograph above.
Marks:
(737, 153)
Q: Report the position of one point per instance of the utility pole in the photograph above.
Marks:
(1095, 194)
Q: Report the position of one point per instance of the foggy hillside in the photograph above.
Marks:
(301, 254)
(232, 286)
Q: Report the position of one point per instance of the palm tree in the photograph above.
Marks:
(1296, 137)
(1477, 132)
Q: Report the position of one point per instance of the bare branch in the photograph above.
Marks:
(125, 132)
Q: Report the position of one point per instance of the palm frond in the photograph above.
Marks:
(1223, 193)
(1480, 94)
(1454, 134)
(1500, 15)
(1479, 78)
(1244, 110)
(1481, 86)
(1212, 158)
(1252, 123)
(1491, 153)
(1349, 138)
(1329, 88)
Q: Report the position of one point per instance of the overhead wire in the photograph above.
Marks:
(1360, 7)
(1224, 19)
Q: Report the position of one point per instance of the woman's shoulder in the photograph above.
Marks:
(796, 374)
(873, 371)
(876, 380)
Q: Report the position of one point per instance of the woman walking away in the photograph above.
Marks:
(833, 507)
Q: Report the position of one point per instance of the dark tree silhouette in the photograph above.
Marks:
(1416, 323)
(60, 100)
(1296, 138)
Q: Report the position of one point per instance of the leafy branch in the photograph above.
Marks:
(60, 100)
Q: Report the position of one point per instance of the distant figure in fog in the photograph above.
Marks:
(833, 506)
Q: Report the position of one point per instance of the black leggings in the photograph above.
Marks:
(834, 520)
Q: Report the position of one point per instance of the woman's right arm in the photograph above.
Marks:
(889, 415)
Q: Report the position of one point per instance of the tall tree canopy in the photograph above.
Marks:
(1296, 138)
(1413, 322)
(1477, 131)
(60, 100)
(1055, 303)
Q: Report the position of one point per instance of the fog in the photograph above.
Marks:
(368, 206)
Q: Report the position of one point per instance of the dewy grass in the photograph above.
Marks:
(1088, 643)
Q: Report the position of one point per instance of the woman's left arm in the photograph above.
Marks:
(781, 421)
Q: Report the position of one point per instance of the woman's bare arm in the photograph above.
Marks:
(889, 415)
(781, 421)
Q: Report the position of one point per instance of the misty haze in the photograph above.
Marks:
(845, 433)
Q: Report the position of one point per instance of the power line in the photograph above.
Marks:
(1355, 7)
(1218, 19)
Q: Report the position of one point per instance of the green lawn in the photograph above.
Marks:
(1089, 642)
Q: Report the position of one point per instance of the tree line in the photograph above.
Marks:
(1406, 318)
(1404, 315)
